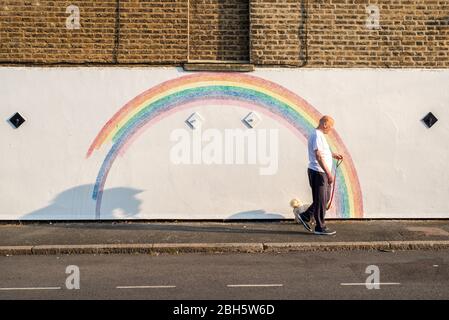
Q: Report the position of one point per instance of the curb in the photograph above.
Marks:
(178, 248)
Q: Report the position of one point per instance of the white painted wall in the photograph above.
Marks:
(402, 165)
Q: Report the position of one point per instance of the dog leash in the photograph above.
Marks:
(329, 204)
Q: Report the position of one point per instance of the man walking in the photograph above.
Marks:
(320, 178)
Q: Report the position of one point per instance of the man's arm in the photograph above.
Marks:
(323, 165)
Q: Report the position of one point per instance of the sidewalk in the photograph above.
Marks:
(179, 237)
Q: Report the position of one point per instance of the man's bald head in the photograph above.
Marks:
(326, 124)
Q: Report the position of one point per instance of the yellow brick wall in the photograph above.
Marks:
(276, 31)
(219, 30)
(311, 33)
(35, 31)
(412, 33)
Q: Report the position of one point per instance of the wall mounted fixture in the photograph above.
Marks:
(429, 120)
(252, 119)
(17, 120)
(195, 121)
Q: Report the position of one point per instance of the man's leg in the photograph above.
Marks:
(305, 217)
(323, 194)
(319, 191)
(317, 210)
(310, 212)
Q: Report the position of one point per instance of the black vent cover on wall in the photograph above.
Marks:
(429, 120)
(16, 120)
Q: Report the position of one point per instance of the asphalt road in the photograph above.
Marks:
(297, 276)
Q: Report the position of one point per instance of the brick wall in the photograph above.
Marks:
(153, 31)
(412, 33)
(277, 32)
(135, 32)
(35, 31)
(312, 33)
(219, 30)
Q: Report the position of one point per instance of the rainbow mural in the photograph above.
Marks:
(241, 90)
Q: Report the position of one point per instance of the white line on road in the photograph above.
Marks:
(145, 287)
(253, 285)
(370, 284)
(31, 288)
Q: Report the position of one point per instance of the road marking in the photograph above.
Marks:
(253, 285)
(145, 287)
(370, 284)
(31, 288)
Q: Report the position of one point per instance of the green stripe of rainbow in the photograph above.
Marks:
(235, 89)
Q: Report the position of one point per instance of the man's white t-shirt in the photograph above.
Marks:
(317, 141)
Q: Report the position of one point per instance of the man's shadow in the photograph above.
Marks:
(77, 204)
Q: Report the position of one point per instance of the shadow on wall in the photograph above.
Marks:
(255, 214)
(77, 203)
(122, 203)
